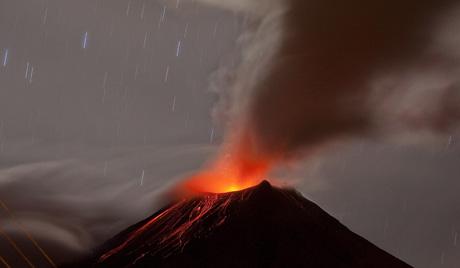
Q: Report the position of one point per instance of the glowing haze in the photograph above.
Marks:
(316, 71)
(237, 167)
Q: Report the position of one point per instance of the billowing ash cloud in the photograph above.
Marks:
(313, 71)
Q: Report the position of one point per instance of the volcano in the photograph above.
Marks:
(262, 226)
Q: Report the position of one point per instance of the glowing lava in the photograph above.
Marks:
(223, 178)
(231, 172)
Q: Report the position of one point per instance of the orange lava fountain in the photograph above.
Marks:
(238, 168)
(223, 178)
(227, 175)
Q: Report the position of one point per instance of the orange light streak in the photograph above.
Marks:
(28, 235)
(15, 246)
(2, 260)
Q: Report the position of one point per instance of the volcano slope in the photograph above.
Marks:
(262, 226)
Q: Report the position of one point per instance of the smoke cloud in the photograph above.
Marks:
(313, 72)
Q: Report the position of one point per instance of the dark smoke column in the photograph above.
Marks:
(317, 85)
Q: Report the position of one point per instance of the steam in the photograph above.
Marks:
(313, 72)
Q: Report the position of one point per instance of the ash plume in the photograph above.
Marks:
(314, 72)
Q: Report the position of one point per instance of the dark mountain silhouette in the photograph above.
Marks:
(262, 226)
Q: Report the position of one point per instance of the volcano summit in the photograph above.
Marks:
(262, 226)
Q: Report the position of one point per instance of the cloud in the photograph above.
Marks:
(74, 204)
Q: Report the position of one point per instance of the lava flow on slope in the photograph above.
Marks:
(262, 226)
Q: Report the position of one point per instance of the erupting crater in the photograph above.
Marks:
(229, 174)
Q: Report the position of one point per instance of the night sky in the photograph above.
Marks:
(104, 104)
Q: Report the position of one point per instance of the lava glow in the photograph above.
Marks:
(231, 172)
(223, 178)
